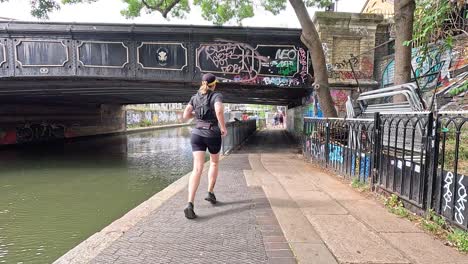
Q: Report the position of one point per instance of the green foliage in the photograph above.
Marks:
(145, 123)
(217, 11)
(450, 146)
(460, 239)
(434, 22)
(434, 223)
(459, 90)
(357, 184)
(395, 206)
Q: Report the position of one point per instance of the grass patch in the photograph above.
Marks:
(435, 224)
(395, 206)
(459, 238)
(432, 223)
(361, 186)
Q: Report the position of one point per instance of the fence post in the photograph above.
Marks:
(327, 142)
(428, 176)
(376, 151)
(435, 160)
(432, 155)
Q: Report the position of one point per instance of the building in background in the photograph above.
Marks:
(383, 7)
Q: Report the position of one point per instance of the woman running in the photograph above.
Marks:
(207, 107)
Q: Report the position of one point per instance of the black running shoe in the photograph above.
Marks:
(188, 211)
(211, 198)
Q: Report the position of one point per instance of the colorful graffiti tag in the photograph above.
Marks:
(435, 70)
(312, 105)
(280, 65)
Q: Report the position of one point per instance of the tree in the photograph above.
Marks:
(404, 14)
(223, 11)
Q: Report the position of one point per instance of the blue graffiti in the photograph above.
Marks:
(336, 153)
(364, 165)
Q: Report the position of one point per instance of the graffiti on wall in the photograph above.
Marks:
(434, 71)
(153, 117)
(280, 65)
(312, 105)
(363, 66)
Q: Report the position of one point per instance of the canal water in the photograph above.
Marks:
(54, 196)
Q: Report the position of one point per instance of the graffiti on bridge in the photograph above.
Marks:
(39, 132)
(280, 65)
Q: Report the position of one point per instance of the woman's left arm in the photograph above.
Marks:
(188, 112)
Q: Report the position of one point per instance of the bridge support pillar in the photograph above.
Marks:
(36, 123)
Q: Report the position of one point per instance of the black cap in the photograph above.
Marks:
(209, 78)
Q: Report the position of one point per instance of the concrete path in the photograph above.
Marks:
(325, 221)
(274, 208)
(240, 229)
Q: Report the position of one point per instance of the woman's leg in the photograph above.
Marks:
(213, 171)
(194, 181)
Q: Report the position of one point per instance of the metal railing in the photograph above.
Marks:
(238, 132)
(421, 156)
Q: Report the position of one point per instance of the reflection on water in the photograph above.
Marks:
(54, 196)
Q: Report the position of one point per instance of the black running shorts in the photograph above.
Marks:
(200, 143)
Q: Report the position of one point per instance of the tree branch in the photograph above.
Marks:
(169, 8)
(159, 7)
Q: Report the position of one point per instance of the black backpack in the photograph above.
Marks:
(203, 109)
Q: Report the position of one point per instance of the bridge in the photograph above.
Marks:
(130, 64)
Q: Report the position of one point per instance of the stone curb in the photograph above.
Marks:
(91, 247)
(142, 129)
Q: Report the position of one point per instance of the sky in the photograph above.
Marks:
(108, 11)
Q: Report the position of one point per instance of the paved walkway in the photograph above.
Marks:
(236, 230)
(275, 208)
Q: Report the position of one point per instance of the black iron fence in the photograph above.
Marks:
(421, 157)
(238, 131)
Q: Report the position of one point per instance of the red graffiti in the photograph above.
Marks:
(7, 137)
(303, 63)
(339, 99)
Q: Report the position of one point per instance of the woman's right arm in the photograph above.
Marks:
(219, 109)
(188, 112)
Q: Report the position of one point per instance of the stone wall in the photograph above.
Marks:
(36, 123)
(295, 120)
(348, 42)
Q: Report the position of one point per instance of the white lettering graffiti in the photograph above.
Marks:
(460, 206)
(286, 54)
(448, 193)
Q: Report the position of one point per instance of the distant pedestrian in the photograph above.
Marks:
(281, 119)
(275, 119)
(207, 107)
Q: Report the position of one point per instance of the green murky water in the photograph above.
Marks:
(52, 197)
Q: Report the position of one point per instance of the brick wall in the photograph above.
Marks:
(348, 41)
